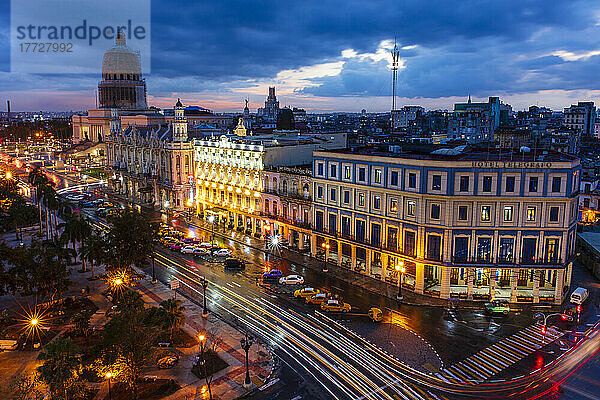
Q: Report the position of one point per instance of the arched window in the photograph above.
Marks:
(284, 184)
(274, 184)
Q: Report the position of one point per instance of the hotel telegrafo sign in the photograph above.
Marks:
(511, 164)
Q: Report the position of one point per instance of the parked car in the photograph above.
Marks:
(233, 263)
(497, 307)
(187, 249)
(272, 274)
(176, 247)
(335, 306)
(306, 292)
(206, 244)
(199, 251)
(318, 298)
(222, 253)
(188, 240)
(291, 280)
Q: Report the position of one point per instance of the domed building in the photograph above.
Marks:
(122, 85)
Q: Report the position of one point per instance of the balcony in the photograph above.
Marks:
(289, 194)
(289, 221)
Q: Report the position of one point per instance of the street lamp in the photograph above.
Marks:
(211, 219)
(204, 284)
(201, 339)
(246, 343)
(326, 248)
(108, 376)
(400, 270)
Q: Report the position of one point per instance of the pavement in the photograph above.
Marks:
(228, 383)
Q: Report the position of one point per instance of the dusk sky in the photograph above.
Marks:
(335, 55)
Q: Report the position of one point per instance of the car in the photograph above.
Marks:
(291, 280)
(206, 244)
(272, 274)
(199, 251)
(188, 240)
(333, 305)
(497, 307)
(187, 249)
(306, 292)
(176, 247)
(318, 298)
(233, 263)
(222, 253)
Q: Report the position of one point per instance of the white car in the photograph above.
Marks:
(222, 253)
(187, 249)
(201, 251)
(291, 280)
(205, 244)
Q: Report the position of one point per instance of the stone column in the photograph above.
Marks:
(513, 284)
(445, 280)
(470, 276)
(368, 261)
(492, 283)
(353, 256)
(419, 279)
(339, 253)
(300, 240)
(558, 291)
(313, 244)
(536, 287)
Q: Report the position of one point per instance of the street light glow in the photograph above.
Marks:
(34, 322)
(109, 375)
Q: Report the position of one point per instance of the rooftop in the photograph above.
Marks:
(458, 153)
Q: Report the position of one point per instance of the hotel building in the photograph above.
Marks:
(464, 223)
(232, 177)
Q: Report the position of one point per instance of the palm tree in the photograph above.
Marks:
(37, 179)
(76, 228)
(174, 315)
(94, 249)
(60, 367)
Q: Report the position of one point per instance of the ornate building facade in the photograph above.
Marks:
(463, 223)
(153, 166)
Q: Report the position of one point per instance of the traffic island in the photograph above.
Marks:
(207, 364)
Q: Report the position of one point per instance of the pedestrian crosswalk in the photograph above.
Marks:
(490, 361)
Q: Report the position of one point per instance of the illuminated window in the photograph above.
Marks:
(347, 172)
(530, 214)
(508, 213)
(486, 213)
(411, 206)
(436, 182)
(377, 176)
(361, 199)
(394, 205)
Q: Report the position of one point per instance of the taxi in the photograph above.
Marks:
(317, 299)
(333, 305)
(306, 292)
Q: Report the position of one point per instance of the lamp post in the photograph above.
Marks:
(211, 219)
(246, 343)
(326, 248)
(204, 286)
(153, 271)
(108, 376)
(201, 339)
(400, 270)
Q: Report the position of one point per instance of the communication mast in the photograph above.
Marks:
(395, 59)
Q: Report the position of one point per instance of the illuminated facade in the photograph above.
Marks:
(229, 183)
(153, 166)
(462, 223)
(234, 181)
(287, 204)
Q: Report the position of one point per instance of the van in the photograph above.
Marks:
(579, 295)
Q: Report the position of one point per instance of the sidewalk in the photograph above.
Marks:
(228, 383)
(354, 278)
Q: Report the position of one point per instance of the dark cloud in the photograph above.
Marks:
(481, 47)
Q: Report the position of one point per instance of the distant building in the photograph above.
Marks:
(474, 122)
(299, 115)
(403, 117)
(285, 119)
(269, 113)
(581, 118)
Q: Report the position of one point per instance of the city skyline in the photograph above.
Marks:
(527, 54)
